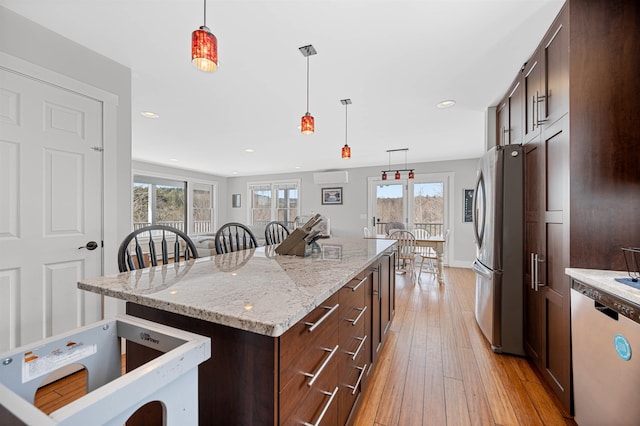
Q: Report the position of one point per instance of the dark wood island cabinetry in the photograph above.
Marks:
(310, 370)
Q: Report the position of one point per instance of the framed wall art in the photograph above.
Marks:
(331, 195)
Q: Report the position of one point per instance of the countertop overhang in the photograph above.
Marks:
(254, 290)
(606, 281)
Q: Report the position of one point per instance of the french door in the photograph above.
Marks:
(422, 202)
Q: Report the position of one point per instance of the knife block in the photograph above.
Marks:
(295, 244)
(298, 243)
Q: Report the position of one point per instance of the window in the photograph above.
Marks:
(274, 201)
(158, 201)
(182, 204)
(202, 197)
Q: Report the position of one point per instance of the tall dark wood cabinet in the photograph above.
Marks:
(582, 150)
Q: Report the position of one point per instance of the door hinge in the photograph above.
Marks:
(97, 148)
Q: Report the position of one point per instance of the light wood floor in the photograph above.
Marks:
(436, 367)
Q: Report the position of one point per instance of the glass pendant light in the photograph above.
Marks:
(307, 125)
(346, 150)
(397, 175)
(204, 47)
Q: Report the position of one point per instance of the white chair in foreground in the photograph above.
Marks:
(427, 254)
(405, 252)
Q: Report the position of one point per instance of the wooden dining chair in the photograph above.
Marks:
(425, 254)
(234, 236)
(165, 245)
(405, 252)
(275, 232)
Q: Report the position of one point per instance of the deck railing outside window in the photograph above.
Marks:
(434, 229)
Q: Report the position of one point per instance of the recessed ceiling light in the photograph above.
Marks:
(249, 150)
(446, 104)
(149, 114)
(235, 172)
(173, 159)
(298, 167)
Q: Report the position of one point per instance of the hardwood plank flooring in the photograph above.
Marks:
(436, 367)
(464, 381)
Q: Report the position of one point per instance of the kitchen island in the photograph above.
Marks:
(293, 339)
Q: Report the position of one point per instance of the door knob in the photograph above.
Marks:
(91, 245)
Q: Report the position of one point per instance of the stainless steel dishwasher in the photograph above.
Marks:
(605, 335)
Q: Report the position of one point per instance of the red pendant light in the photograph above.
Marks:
(397, 174)
(346, 150)
(307, 125)
(204, 47)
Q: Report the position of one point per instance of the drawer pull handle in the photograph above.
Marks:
(324, 317)
(354, 288)
(322, 366)
(325, 408)
(356, 319)
(355, 387)
(354, 354)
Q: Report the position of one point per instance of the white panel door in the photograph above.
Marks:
(51, 192)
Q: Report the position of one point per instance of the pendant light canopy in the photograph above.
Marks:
(397, 174)
(307, 126)
(204, 47)
(346, 150)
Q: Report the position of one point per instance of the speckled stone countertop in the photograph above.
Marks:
(253, 290)
(605, 280)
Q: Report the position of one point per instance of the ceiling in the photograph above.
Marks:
(394, 59)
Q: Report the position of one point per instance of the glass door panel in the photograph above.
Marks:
(428, 207)
(389, 206)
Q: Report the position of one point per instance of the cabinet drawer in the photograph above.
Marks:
(302, 403)
(301, 348)
(351, 385)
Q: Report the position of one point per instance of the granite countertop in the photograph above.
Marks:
(254, 290)
(605, 280)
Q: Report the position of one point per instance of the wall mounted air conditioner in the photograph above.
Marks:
(331, 177)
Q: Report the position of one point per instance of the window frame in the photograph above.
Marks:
(190, 184)
(274, 186)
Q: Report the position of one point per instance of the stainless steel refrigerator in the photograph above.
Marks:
(498, 219)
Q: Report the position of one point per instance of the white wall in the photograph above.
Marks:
(346, 218)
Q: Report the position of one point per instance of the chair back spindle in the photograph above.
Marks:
(183, 248)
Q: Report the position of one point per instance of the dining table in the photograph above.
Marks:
(436, 243)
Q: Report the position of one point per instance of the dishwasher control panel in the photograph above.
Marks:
(622, 306)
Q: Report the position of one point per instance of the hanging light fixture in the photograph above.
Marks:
(307, 127)
(346, 150)
(397, 174)
(204, 47)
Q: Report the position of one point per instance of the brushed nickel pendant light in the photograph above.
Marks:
(307, 125)
(397, 174)
(346, 150)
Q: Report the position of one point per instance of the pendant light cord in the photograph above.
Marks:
(307, 83)
(346, 123)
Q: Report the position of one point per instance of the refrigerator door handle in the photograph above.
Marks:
(481, 269)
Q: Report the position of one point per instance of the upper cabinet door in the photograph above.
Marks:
(555, 56)
(534, 97)
(502, 122)
(516, 113)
